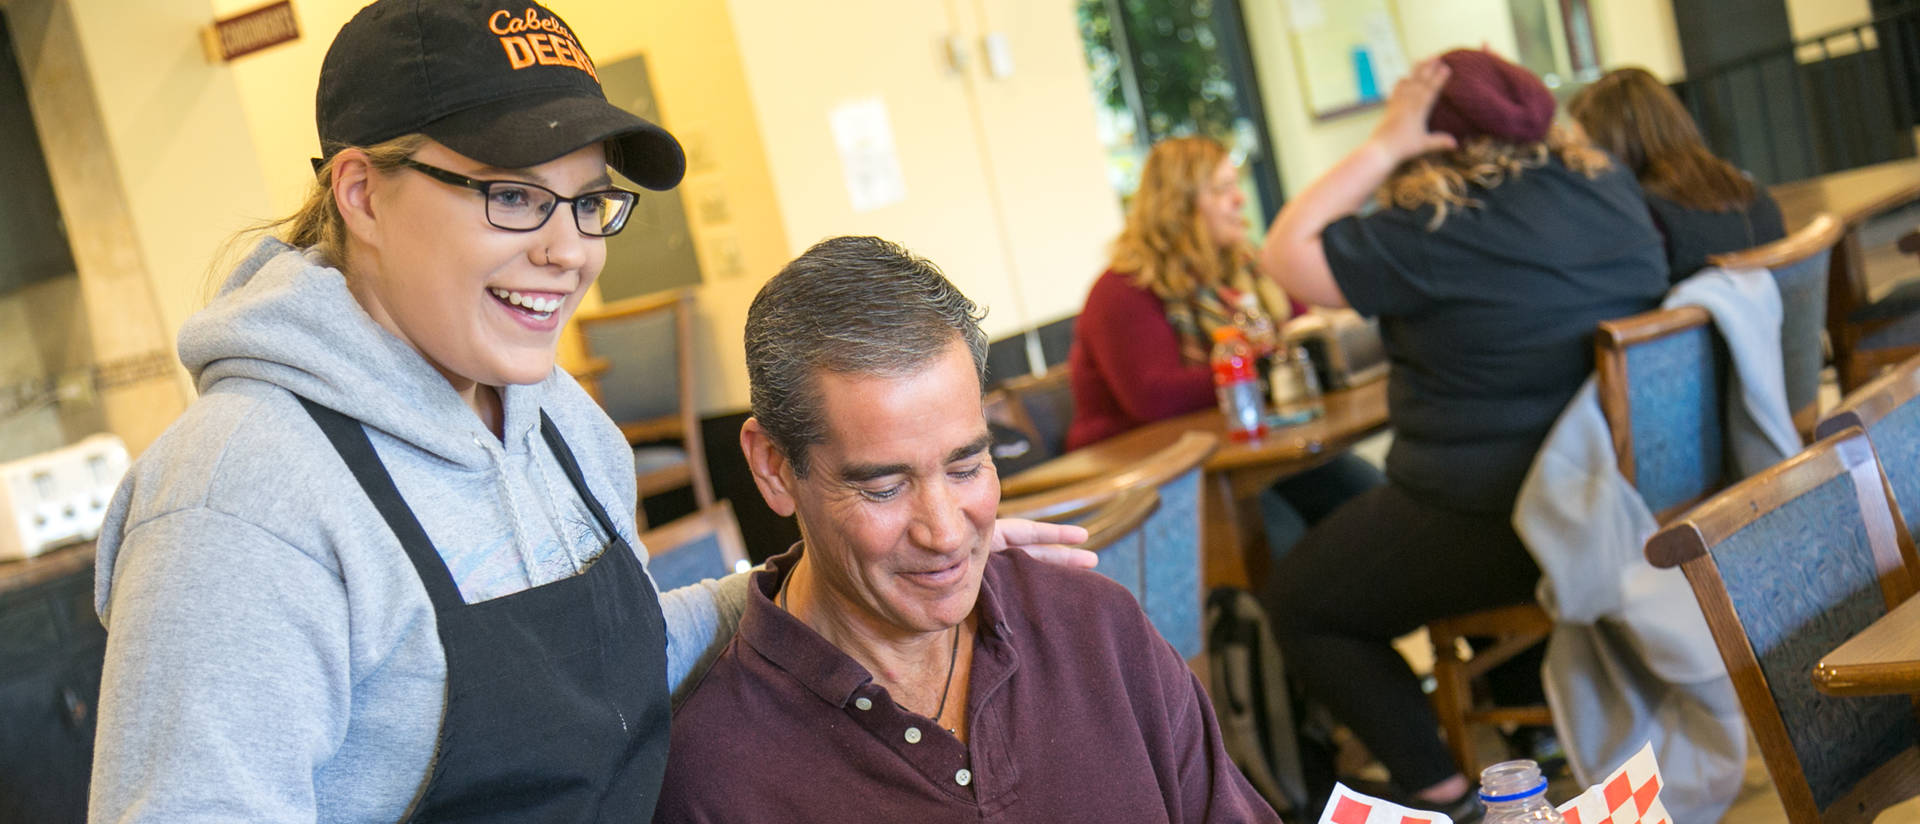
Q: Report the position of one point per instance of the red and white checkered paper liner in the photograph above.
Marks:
(1631, 795)
(1349, 807)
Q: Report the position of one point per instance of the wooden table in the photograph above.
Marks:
(1233, 543)
(1851, 196)
(1883, 659)
(55, 564)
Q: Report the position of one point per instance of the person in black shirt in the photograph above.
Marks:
(1499, 243)
(1700, 203)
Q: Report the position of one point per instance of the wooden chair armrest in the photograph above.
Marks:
(590, 368)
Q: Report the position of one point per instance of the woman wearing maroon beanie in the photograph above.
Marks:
(1497, 244)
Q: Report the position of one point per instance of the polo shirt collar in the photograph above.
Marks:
(788, 643)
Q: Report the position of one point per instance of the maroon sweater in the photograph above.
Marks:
(1079, 711)
(1125, 364)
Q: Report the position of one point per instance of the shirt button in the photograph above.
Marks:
(963, 777)
(863, 703)
(913, 735)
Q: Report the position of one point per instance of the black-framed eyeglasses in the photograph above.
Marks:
(524, 207)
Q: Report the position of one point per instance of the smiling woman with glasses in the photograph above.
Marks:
(384, 568)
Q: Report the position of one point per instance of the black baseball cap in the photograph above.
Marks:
(504, 82)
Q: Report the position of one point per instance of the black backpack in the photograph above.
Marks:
(1284, 748)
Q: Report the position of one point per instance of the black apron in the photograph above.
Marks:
(557, 704)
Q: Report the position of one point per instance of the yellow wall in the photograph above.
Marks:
(702, 97)
(189, 175)
(1049, 169)
(1813, 17)
(152, 167)
(1306, 145)
(1005, 187)
(1639, 33)
(1004, 183)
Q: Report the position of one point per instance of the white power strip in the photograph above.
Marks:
(59, 497)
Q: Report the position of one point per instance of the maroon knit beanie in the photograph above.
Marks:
(1488, 96)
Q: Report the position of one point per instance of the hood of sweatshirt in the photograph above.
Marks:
(500, 511)
(286, 318)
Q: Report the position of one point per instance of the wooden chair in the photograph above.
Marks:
(1786, 565)
(1502, 634)
(1016, 443)
(1046, 402)
(1867, 334)
(1799, 264)
(640, 368)
(1885, 410)
(1166, 578)
(706, 544)
(1660, 376)
(1114, 519)
(1665, 350)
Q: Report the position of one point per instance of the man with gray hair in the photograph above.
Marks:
(889, 667)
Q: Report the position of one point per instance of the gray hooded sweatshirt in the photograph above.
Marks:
(272, 655)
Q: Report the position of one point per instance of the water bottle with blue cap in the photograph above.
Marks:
(1515, 792)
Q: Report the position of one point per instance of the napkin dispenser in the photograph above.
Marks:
(59, 497)
(1345, 347)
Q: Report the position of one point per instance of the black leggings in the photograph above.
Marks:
(1379, 567)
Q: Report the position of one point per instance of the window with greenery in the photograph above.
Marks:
(1168, 68)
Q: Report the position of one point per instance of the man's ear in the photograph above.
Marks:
(352, 185)
(771, 471)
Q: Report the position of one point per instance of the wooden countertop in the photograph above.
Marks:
(59, 563)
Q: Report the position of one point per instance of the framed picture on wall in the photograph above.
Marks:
(1348, 53)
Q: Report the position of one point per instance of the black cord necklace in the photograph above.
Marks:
(953, 657)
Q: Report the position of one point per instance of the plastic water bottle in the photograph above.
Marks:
(1236, 382)
(1261, 336)
(1516, 793)
(1296, 387)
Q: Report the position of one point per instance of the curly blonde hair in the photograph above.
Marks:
(1166, 245)
(1443, 179)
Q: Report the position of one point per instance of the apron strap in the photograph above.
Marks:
(349, 439)
(564, 455)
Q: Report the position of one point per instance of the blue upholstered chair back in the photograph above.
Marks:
(705, 544)
(1160, 564)
(1163, 567)
(689, 563)
(1888, 408)
(1047, 401)
(1675, 400)
(1802, 579)
(1170, 570)
(1896, 439)
(1803, 295)
(642, 380)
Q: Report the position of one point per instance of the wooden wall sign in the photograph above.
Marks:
(251, 31)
